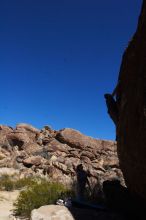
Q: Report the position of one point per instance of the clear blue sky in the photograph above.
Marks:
(59, 57)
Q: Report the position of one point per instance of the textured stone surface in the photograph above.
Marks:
(32, 148)
(27, 127)
(33, 161)
(51, 212)
(131, 99)
(4, 131)
(76, 139)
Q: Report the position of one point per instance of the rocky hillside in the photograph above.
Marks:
(57, 153)
(131, 100)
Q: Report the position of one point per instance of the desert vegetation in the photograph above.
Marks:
(11, 182)
(38, 194)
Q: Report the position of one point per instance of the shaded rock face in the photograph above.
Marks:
(56, 154)
(131, 100)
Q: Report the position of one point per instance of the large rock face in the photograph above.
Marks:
(131, 99)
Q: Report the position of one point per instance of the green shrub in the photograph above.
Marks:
(37, 195)
(27, 181)
(10, 183)
(6, 183)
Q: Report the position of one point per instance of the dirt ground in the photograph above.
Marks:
(6, 203)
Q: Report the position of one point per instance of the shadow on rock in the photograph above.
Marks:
(120, 200)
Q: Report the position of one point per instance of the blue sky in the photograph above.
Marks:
(59, 57)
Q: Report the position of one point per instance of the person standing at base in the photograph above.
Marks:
(82, 180)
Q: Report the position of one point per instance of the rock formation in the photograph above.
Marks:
(131, 100)
(57, 154)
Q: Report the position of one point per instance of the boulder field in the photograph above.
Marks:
(56, 154)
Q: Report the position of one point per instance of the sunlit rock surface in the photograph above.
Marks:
(56, 154)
